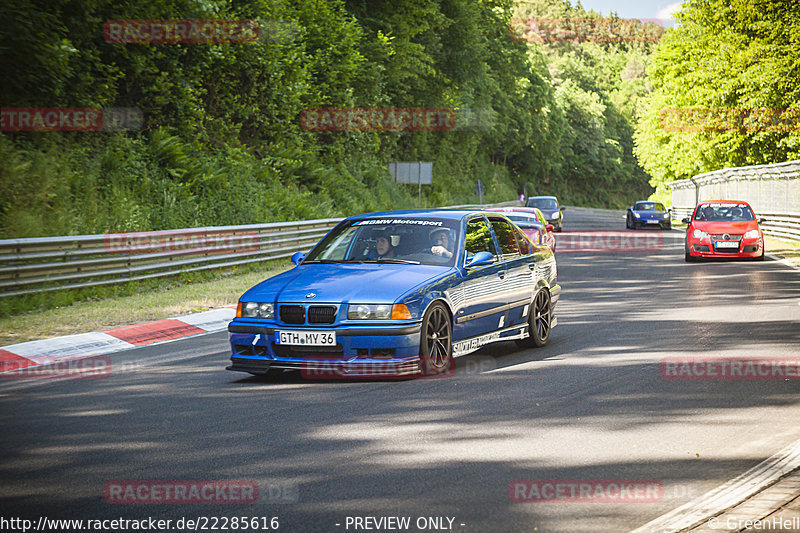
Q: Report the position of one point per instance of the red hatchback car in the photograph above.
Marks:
(723, 228)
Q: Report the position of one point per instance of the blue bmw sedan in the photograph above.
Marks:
(398, 293)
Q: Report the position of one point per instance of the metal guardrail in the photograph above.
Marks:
(56, 263)
(772, 190)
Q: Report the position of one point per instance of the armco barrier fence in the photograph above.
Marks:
(55, 263)
(772, 190)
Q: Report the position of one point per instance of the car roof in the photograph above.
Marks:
(739, 202)
(517, 210)
(549, 197)
(647, 202)
(532, 216)
(448, 214)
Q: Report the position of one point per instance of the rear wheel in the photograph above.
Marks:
(436, 346)
(540, 320)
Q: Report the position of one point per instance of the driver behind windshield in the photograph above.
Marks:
(707, 212)
(440, 241)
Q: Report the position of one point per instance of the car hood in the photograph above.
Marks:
(353, 283)
(725, 227)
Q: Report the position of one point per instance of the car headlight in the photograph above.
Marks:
(637, 215)
(697, 234)
(377, 312)
(255, 310)
(665, 215)
(555, 215)
(752, 234)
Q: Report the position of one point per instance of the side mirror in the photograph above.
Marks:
(686, 220)
(549, 227)
(479, 259)
(298, 257)
(562, 208)
(761, 221)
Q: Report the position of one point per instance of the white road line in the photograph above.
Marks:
(727, 495)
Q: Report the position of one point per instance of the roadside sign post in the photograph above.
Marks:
(479, 190)
(419, 172)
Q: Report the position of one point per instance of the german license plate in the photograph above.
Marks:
(305, 338)
(652, 221)
(727, 244)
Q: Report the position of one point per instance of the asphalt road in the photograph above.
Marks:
(592, 405)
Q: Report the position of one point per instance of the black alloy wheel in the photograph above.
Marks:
(436, 344)
(540, 321)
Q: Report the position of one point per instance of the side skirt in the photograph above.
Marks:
(472, 344)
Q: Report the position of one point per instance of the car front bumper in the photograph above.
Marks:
(663, 223)
(709, 248)
(363, 351)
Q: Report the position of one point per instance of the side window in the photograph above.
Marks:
(479, 238)
(505, 236)
(524, 243)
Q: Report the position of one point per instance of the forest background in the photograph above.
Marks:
(221, 140)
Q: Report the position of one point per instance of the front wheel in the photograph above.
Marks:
(436, 344)
(540, 320)
(628, 221)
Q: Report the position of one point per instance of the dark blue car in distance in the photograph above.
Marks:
(549, 206)
(398, 293)
(648, 214)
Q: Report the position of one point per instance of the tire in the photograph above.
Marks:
(436, 341)
(629, 222)
(687, 256)
(540, 319)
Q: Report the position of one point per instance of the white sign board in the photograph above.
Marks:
(417, 173)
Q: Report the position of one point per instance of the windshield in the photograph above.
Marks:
(724, 213)
(649, 206)
(545, 204)
(426, 241)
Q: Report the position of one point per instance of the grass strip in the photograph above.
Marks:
(188, 293)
